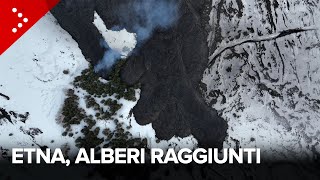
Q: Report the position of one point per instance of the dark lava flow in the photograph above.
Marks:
(169, 66)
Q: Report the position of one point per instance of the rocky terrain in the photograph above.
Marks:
(51, 96)
(263, 75)
(168, 66)
(255, 63)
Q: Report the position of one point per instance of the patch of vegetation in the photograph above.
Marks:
(91, 82)
(121, 138)
(71, 112)
(90, 139)
(114, 106)
(105, 108)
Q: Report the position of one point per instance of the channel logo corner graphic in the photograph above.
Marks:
(18, 16)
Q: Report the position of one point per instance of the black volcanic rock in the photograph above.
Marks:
(169, 67)
(76, 17)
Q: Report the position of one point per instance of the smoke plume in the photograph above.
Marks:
(142, 17)
(110, 57)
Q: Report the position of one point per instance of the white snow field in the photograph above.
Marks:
(31, 74)
(267, 87)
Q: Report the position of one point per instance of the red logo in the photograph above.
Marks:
(18, 16)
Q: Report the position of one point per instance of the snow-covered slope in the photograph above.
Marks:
(264, 74)
(32, 76)
(37, 71)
